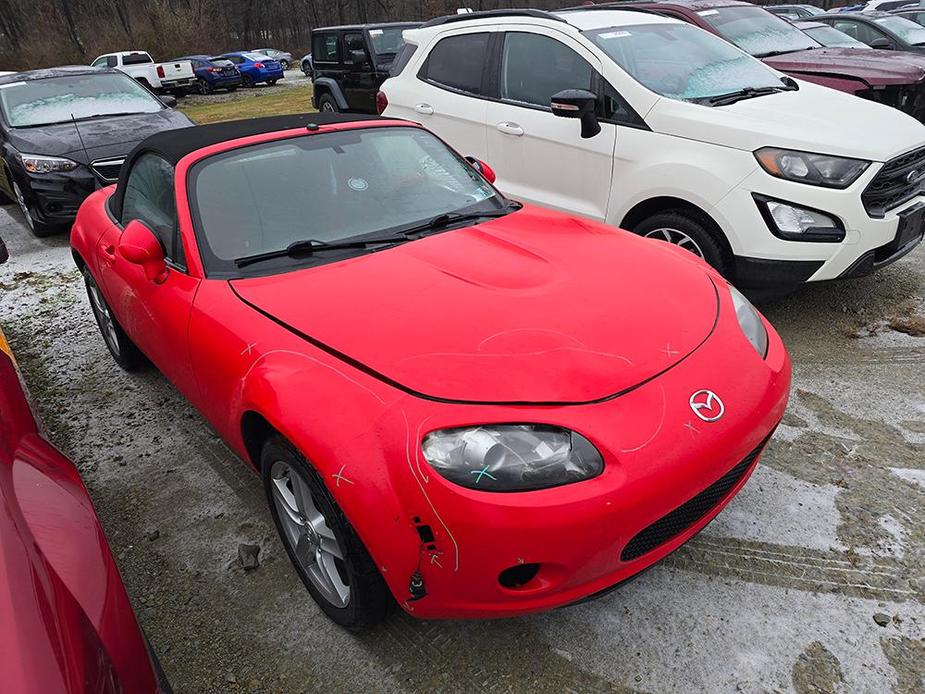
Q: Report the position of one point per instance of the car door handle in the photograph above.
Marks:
(426, 109)
(509, 128)
(108, 253)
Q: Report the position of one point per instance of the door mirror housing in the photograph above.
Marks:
(357, 58)
(487, 172)
(140, 246)
(577, 103)
(882, 43)
(169, 101)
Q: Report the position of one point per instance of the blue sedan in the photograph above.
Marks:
(255, 67)
(214, 73)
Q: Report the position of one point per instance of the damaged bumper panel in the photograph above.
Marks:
(464, 553)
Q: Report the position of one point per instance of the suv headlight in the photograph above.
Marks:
(512, 457)
(750, 322)
(37, 163)
(814, 169)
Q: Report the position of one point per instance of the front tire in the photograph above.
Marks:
(38, 229)
(323, 547)
(326, 104)
(122, 349)
(689, 231)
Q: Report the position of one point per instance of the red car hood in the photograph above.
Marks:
(873, 66)
(534, 307)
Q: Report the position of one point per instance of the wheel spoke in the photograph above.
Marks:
(329, 546)
(329, 580)
(305, 552)
(287, 501)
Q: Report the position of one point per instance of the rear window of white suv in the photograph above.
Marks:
(458, 62)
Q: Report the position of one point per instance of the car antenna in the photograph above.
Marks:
(79, 137)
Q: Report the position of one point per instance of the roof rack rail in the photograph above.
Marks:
(622, 5)
(488, 14)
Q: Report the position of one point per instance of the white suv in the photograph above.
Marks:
(681, 136)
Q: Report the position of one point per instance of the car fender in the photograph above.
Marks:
(334, 88)
(319, 406)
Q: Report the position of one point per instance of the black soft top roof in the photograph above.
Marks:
(173, 145)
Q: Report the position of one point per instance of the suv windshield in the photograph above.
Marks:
(906, 29)
(683, 62)
(757, 31)
(328, 188)
(61, 99)
(832, 37)
(386, 41)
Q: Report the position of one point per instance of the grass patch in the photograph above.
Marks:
(252, 104)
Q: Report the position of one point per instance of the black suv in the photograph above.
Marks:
(352, 62)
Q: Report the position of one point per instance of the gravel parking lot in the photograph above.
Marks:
(812, 580)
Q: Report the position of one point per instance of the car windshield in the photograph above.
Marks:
(906, 29)
(386, 41)
(334, 187)
(61, 99)
(683, 62)
(832, 37)
(757, 31)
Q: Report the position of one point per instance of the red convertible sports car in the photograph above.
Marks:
(66, 623)
(473, 406)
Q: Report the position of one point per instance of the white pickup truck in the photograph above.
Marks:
(176, 77)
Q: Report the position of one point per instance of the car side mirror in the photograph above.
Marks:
(577, 103)
(4, 254)
(487, 172)
(882, 43)
(140, 246)
(169, 101)
(356, 58)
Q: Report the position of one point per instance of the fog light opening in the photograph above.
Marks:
(518, 576)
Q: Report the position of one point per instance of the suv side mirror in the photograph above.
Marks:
(356, 58)
(139, 245)
(577, 103)
(487, 172)
(169, 101)
(4, 254)
(882, 43)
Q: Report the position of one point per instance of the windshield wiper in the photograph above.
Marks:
(297, 249)
(107, 115)
(746, 93)
(442, 220)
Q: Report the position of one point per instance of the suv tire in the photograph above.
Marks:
(690, 231)
(327, 104)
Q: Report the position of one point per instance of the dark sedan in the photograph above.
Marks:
(879, 30)
(64, 132)
(214, 73)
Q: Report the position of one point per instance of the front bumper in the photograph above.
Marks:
(659, 458)
(55, 198)
(764, 260)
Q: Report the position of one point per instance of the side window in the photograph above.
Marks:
(324, 48)
(149, 197)
(534, 67)
(100, 62)
(616, 109)
(354, 42)
(458, 62)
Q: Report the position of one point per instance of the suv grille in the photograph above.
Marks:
(690, 512)
(107, 169)
(899, 180)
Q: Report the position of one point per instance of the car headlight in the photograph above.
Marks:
(36, 163)
(750, 322)
(512, 457)
(814, 169)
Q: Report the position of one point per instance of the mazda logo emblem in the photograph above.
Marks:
(707, 405)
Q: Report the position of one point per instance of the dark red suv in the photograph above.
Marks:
(893, 78)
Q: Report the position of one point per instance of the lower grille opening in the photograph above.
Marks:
(683, 517)
(518, 576)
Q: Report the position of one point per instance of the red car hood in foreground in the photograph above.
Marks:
(873, 66)
(533, 307)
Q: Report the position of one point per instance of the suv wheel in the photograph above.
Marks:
(326, 104)
(688, 231)
(326, 552)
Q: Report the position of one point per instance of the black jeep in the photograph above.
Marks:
(352, 62)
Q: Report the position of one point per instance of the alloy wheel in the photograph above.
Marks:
(308, 534)
(104, 317)
(328, 107)
(21, 201)
(678, 238)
